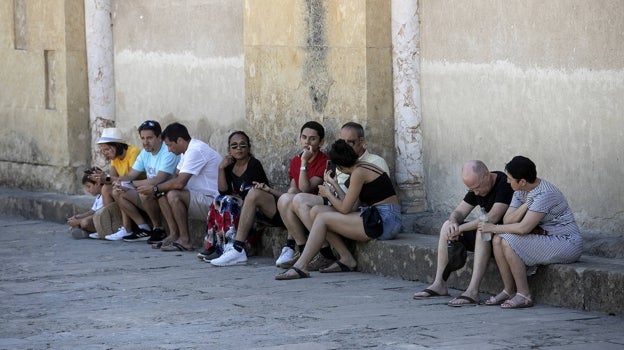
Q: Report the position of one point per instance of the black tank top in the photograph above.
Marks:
(376, 190)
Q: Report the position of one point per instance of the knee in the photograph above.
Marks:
(285, 202)
(173, 197)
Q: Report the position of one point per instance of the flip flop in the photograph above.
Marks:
(175, 247)
(285, 276)
(430, 294)
(160, 244)
(337, 267)
(468, 301)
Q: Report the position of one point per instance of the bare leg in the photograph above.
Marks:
(179, 202)
(107, 194)
(482, 253)
(151, 208)
(291, 220)
(503, 267)
(167, 212)
(255, 199)
(125, 219)
(302, 205)
(438, 285)
(128, 202)
(517, 268)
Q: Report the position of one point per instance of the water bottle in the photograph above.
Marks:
(485, 236)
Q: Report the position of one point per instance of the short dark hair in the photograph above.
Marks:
(151, 125)
(342, 154)
(119, 147)
(359, 129)
(320, 130)
(522, 168)
(89, 172)
(175, 130)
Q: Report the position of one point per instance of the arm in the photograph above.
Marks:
(222, 181)
(177, 183)
(352, 195)
(457, 218)
(293, 187)
(514, 215)
(530, 220)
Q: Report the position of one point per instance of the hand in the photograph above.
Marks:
(307, 154)
(145, 189)
(452, 230)
(328, 178)
(262, 186)
(324, 191)
(485, 227)
(226, 161)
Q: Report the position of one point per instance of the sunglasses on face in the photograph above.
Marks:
(241, 145)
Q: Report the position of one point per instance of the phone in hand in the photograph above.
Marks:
(331, 167)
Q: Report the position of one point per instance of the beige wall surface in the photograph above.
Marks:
(180, 61)
(43, 105)
(540, 79)
(328, 61)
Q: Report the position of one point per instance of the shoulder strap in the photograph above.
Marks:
(371, 168)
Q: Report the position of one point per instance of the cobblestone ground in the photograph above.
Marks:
(61, 293)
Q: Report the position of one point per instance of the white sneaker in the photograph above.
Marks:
(230, 257)
(117, 236)
(287, 254)
(94, 235)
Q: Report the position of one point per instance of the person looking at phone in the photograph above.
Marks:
(137, 196)
(306, 173)
(353, 134)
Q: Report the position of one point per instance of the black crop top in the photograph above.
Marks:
(376, 190)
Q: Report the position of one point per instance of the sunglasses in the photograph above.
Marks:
(241, 145)
(148, 123)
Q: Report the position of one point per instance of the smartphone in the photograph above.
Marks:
(332, 168)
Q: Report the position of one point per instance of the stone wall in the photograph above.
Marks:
(44, 139)
(328, 61)
(180, 61)
(540, 79)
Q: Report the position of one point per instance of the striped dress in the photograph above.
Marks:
(563, 244)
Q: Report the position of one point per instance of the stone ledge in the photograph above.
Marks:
(592, 284)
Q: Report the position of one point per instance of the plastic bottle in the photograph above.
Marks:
(485, 236)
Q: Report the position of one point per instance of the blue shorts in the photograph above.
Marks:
(391, 217)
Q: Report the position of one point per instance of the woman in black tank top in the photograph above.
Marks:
(368, 185)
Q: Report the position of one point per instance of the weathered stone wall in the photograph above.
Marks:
(328, 61)
(44, 139)
(540, 79)
(180, 61)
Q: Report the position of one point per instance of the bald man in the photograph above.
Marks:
(490, 191)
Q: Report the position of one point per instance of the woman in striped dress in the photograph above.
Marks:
(538, 229)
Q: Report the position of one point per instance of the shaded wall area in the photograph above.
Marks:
(540, 79)
(328, 61)
(45, 138)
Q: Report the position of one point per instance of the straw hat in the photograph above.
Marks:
(111, 135)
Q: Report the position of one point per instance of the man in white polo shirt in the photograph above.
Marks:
(191, 191)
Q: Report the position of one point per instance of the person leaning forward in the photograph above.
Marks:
(192, 189)
(490, 191)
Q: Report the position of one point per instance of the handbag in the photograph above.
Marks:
(373, 225)
(456, 258)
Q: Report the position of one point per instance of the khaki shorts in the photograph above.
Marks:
(199, 205)
(107, 220)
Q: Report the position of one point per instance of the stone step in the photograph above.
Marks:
(594, 283)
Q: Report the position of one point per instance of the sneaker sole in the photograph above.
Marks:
(142, 239)
(225, 265)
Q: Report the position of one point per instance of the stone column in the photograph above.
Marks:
(99, 39)
(407, 112)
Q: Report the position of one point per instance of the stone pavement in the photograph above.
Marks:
(61, 293)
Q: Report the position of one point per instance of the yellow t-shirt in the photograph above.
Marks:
(122, 166)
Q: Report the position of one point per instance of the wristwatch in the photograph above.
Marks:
(157, 193)
(155, 188)
(303, 168)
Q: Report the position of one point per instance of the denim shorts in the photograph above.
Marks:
(391, 217)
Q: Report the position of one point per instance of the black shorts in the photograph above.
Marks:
(468, 239)
(275, 221)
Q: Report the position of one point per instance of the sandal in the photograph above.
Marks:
(287, 276)
(518, 302)
(463, 300)
(337, 267)
(498, 298)
(428, 293)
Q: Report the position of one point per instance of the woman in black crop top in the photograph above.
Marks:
(368, 185)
